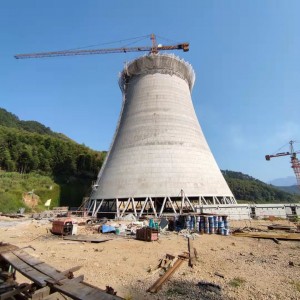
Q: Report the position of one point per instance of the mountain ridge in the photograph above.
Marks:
(10, 120)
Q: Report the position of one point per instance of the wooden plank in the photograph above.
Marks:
(192, 257)
(5, 247)
(25, 269)
(158, 284)
(281, 227)
(71, 270)
(81, 291)
(86, 238)
(50, 271)
(56, 296)
(39, 265)
(31, 260)
(75, 280)
(267, 235)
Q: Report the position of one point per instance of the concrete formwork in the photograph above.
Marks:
(159, 156)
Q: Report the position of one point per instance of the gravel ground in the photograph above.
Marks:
(251, 268)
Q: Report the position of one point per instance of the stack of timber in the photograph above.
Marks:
(47, 282)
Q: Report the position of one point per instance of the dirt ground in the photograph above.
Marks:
(252, 268)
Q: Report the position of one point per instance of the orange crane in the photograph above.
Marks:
(294, 160)
(151, 49)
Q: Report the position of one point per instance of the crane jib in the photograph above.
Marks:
(155, 49)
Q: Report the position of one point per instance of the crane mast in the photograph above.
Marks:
(295, 163)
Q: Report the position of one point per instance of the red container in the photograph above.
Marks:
(62, 226)
(147, 234)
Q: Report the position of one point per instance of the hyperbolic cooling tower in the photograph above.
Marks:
(159, 150)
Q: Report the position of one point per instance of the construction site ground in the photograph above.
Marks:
(240, 267)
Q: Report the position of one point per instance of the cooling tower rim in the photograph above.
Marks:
(154, 63)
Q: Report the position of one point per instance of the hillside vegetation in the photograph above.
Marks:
(245, 187)
(32, 150)
(13, 185)
(33, 157)
(27, 146)
(8, 119)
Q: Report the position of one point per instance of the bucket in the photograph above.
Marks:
(226, 231)
(151, 223)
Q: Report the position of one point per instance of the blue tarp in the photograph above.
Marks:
(108, 228)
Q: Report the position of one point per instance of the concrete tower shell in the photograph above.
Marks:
(159, 149)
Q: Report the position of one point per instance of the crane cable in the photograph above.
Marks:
(110, 43)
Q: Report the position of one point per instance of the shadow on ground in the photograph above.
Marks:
(178, 290)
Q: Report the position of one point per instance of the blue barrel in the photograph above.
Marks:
(216, 225)
(226, 224)
(221, 227)
(202, 228)
(206, 223)
(216, 222)
(193, 222)
(187, 224)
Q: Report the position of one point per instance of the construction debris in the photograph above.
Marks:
(267, 235)
(164, 264)
(281, 227)
(193, 255)
(64, 226)
(160, 281)
(86, 238)
(147, 234)
(45, 278)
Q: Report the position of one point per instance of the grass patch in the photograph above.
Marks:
(13, 185)
(237, 282)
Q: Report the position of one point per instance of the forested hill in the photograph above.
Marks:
(10, 120)
(28, 146)
(245, 187)
(32, 155)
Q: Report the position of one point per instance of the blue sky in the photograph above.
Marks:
(245, 55)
